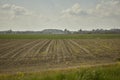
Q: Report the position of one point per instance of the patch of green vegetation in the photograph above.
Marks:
(59, 36)
(111, 72)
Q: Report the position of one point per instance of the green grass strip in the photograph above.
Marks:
(59, 36)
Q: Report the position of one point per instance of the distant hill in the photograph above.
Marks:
(52, 31)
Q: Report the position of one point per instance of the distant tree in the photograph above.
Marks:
(9, 31)
(67, 31)
(93, 30)
(80, 31)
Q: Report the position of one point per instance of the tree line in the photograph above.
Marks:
(66, 31)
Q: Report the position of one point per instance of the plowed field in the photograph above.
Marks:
(41, 54)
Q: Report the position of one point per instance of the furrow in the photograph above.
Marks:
(11, 48)
(14, 52)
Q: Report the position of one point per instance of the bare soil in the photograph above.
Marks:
(41, 54)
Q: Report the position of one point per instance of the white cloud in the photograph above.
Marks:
(107, 8)
(6, 6)
(75, 10)
(16, 10)
(106, 13)
(18, 17)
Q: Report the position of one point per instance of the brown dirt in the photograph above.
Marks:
(36, 55)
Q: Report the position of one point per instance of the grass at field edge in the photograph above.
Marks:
(108, 72)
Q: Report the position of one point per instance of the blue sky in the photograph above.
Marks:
(59, 14)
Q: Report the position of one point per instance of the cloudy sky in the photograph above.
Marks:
(59, 14)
